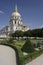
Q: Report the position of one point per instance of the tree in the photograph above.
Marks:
(18, 34)
(28, 47)
(11, 38)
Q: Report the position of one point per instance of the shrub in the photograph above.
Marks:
(34, 45)
(28, 47)
(38, 44)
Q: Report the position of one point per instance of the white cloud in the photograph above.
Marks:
(1, 12)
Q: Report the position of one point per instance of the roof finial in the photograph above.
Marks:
(16, 9)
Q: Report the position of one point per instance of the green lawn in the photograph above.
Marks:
(35, 40)
(19, 44)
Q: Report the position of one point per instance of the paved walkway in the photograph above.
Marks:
(7, 56)
(37, 61)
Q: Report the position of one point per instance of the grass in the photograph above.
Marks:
(18, 45)
(27, 58)
(35, 40)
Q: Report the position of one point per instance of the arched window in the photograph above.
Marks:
(15, 22)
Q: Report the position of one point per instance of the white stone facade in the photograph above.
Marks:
(15, 24)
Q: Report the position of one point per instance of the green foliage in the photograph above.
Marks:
(19, 44)
(10, 41)
(38, 44)
(29, 33)
(18, 34)
(34, 45)
(34, 33)
(28, 47)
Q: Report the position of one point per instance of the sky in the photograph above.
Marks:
(31, 12)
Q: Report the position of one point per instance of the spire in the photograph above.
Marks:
(16, 9)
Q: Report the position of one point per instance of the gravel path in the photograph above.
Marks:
(7, 56)
(37, 61)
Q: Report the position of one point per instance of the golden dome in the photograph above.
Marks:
(16, 13)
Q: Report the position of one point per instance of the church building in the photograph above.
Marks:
(16, 21)
(15, 24)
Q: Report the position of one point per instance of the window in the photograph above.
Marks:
(15, 22)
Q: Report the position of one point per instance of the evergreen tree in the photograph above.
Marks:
(28, 47)
(38, 44)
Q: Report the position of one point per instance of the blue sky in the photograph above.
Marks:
(30, 10)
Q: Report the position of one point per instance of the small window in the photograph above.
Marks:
(15, 22)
